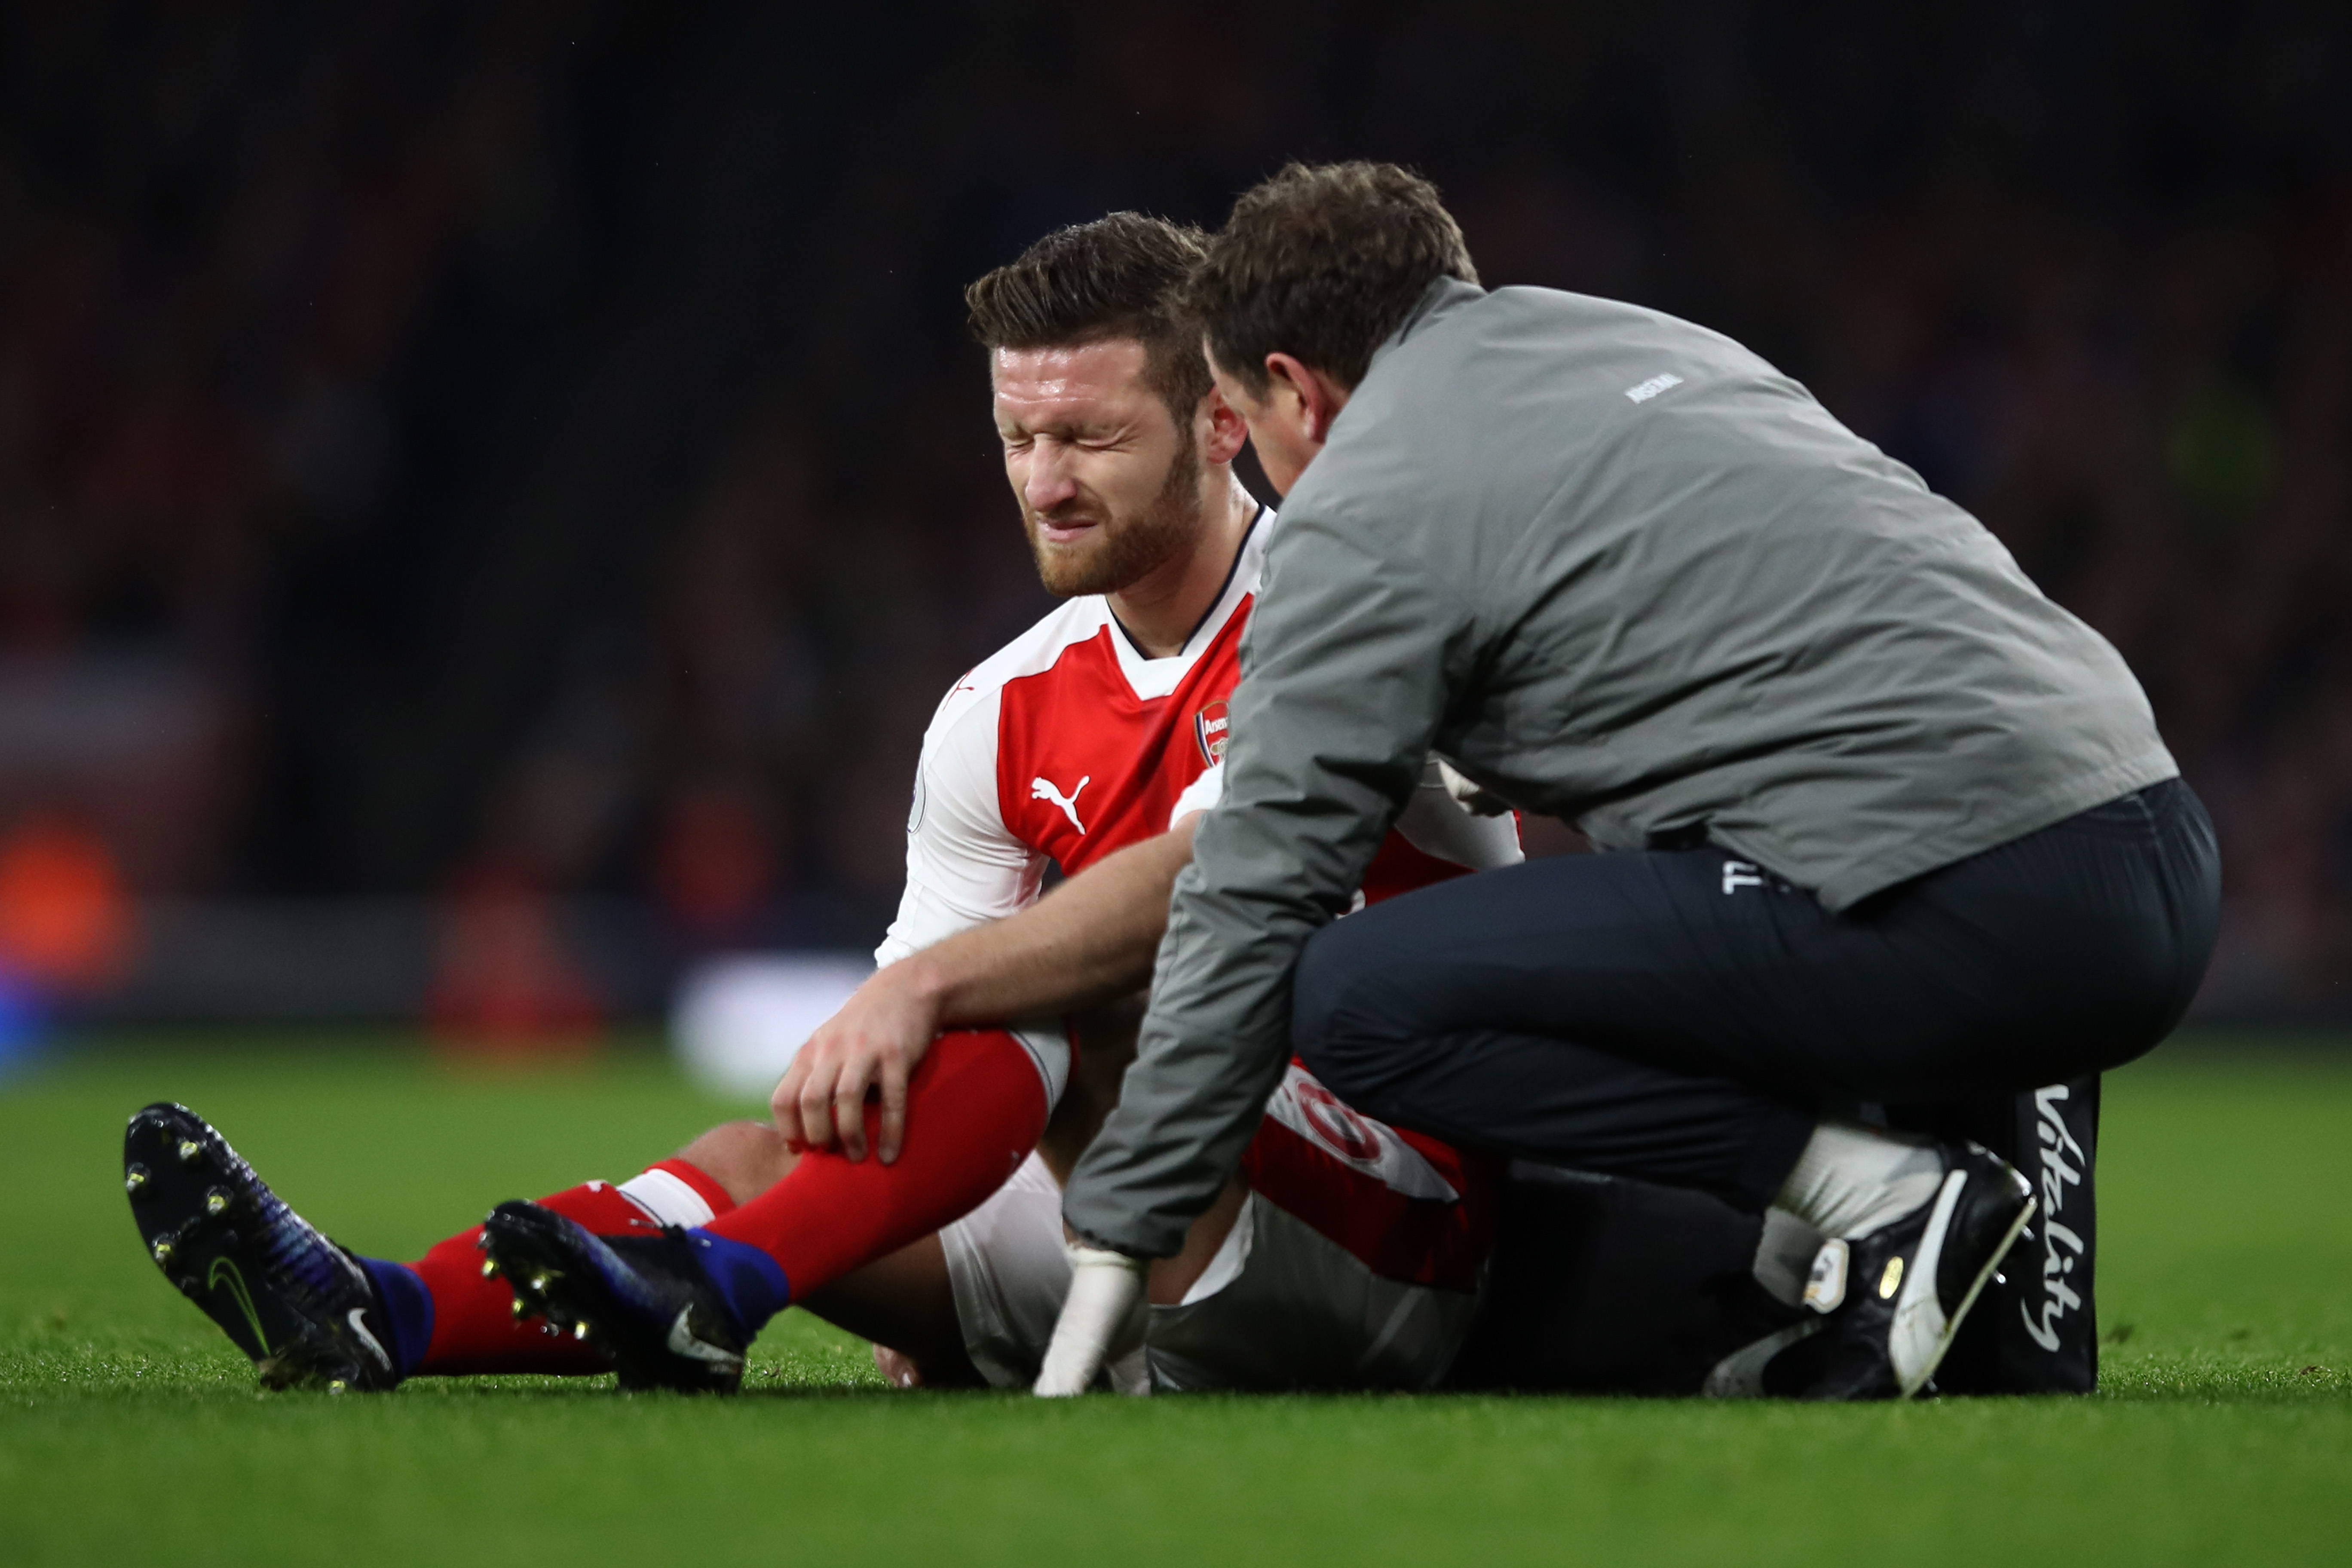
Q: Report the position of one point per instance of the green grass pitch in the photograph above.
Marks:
(130, 1430)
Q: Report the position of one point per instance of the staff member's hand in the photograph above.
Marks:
(1102, 1319)
(875, 1041)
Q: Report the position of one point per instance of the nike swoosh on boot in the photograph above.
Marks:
(682, 1341)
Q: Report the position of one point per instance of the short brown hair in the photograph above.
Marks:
(1324, 261)
(1118, 277)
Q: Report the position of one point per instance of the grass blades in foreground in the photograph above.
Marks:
(129, 1429)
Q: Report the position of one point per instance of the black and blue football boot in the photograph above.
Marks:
(647, 1302)
(300, 1306)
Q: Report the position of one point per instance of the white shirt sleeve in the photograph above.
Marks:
(1433, 821)
(1199, 795)
(964, 867)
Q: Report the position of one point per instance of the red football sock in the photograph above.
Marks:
(974, 1109)
(473, 1327)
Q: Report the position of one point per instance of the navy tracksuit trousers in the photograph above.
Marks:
(1681, 1016)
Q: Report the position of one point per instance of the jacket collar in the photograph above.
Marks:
(1440, 299)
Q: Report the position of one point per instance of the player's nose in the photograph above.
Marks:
(1048, 482)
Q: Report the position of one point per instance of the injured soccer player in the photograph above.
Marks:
(907, 1188)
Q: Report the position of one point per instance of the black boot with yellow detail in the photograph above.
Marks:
(300, 1306)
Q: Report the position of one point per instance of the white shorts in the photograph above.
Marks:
(1009, 1273)
(1355, 1264)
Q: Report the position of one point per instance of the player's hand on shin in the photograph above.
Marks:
(871, 1047)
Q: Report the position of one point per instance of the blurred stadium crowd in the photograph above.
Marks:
(509, 481)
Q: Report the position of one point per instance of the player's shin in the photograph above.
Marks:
(975, 1108)
(455, 1317)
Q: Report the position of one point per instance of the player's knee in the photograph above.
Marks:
(746, 1158)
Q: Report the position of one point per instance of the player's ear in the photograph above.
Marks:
(1219, 429)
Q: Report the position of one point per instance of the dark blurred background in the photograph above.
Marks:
(490, 495)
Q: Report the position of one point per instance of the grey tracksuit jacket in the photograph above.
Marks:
(1621, 571)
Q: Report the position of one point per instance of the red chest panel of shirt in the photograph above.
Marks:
(1083, 766)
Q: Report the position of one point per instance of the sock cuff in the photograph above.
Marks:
(677, 1191)
(1849, 1180)
(406, 1309)
(706, 1186)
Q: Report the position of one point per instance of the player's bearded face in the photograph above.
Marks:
(1126, 544)
(1109, 480)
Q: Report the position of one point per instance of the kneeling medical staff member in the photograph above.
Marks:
(1886, 825)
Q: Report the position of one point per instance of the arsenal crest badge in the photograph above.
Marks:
(1210, 727)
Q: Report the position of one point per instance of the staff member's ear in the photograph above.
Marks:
(1290, 423)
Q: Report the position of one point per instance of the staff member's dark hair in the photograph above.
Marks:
(1323, 261)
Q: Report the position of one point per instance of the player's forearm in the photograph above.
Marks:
(1090, 939)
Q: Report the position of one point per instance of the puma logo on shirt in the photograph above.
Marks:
(1043, 789)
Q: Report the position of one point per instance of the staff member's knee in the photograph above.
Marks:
(1337, 1026)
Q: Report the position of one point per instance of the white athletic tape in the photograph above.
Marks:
(668, 1199)
(1102, 1320)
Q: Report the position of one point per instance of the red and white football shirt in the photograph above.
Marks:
(1068, 745)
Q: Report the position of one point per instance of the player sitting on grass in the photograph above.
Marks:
(1350, 1255)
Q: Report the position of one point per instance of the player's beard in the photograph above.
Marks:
(1131, 546)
